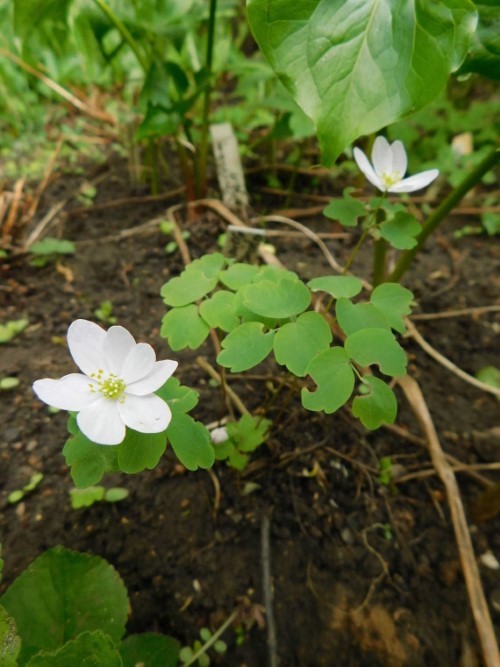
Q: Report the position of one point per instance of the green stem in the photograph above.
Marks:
(379, 261)
(120, 26)
(355, 250)
(211, 641)
(201, 183)
(447, 205)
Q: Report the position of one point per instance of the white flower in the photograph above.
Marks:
(116, 386)
(389, 163)
(219, 435)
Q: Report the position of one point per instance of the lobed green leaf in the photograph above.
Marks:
(331, 371)
(245, 347)
(377, 346)
(150, 649)
(282, 299)
(190, 441)
(337, 286)
(184, 327)
(297, 343)
(218, 311)
(377, 407)
(401, 230)
(89, 649)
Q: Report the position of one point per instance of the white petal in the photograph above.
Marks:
(219, 435)
(147, 414)
(138, 363)
(416, 182)
(101, 422)
(159, 374)
(85, 340)
(117, 345)
(367, 169)
(382, 156)
(399, 159)
(71, 392)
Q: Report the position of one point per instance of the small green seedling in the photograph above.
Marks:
(96, 494)
(11, 329)
(16, 496)
(189, 655)
(8, 383)
(244, 437)
(489, 375)
(167, 228)
(105, 313)
(50, 250)
(87, 194)
(385, 471)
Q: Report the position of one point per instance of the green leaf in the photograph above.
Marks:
(11, 329)
(484, 52)
(51, 246)
(238, 275)
(490, 375)
(297, 343)
(376, 408)
(184, 327)
(347, 211)
(401, 231)
(331, 371)
(157, 123)
(249, 432)
(248, 315)
(150, 650)
(355, 317)
(281, 300)
(86, 497)
(115, 494)
(190, 441)
(10, 643)
(394, 302)
(187, 288)
(180, 399)
(245, 347)
(29, 14)
(218, 311)
(355, 67)
(140, 451)
(377, 346)
(337, 286)
(62, 594)
(90, 649)
(87, 460)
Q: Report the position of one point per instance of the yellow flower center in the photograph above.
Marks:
(111, 387)
(391, 179)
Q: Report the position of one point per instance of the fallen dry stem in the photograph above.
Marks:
(475, 591)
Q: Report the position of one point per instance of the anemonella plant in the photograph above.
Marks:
(124, 406)
(116, 386)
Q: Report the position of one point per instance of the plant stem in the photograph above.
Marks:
(354, 251)
(201, 180)
(123, 30)
(211, 641)
(447, 205)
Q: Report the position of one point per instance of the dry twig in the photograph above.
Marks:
(477, 599)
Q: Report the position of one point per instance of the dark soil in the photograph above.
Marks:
(364, 575)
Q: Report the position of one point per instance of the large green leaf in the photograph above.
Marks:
(90, 649)
(150, 650)
(62, 594)
(355, 67)
(10, 644)
(484, 54)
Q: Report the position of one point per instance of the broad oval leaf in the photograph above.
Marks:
(62, 594)
(297, 343)
(190, 441)
(355, 67)
(89, 648)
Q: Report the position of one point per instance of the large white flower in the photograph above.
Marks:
(388, 167)
(115, 388)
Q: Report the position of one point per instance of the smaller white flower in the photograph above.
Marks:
(219, 435)
(388, 167)
(116, 387)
